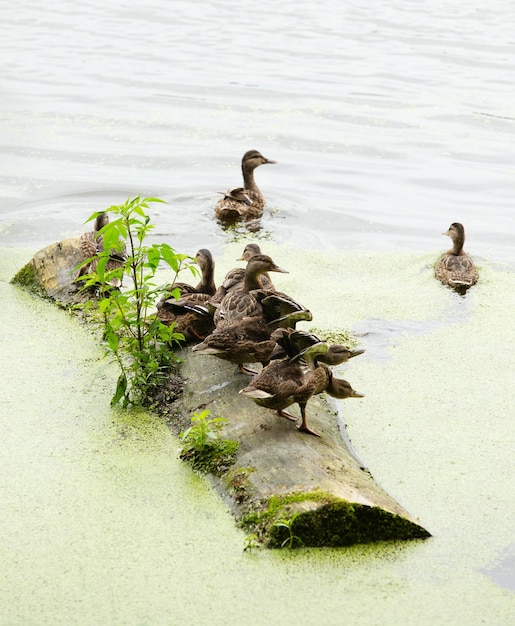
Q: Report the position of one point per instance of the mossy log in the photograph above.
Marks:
(284, 486)
(51, 272)
(313, 486)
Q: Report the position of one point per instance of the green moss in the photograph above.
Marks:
(26, 277)
(238, 483)
(322, 520)
(215, 458)
(336, 336)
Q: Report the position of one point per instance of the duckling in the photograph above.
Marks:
(191, 315)
(237, 304)
(91, 244)
(283, 383)
(455, 268)
(234, 205)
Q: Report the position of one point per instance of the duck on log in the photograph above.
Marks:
(284, 486)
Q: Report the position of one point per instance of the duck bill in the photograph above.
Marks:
(276, 268)
(356, 394)
(269, 162)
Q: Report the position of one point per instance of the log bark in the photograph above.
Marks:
(316, 484)
(284, 487)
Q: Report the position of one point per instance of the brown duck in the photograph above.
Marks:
(190, 313)
(240, 303)
(295, 343)
(91, 245)
(204, 260)
(245, 340)
(235, 204)
(283, 383)
(234, 279)
(455, 268)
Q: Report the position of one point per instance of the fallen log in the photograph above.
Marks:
(316, 484)
(284, 487)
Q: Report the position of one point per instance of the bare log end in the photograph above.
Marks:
(51, 272)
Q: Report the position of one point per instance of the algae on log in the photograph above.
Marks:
(50, 273)
(313, 485)
(285, 486)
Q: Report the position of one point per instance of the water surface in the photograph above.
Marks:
(389, 121)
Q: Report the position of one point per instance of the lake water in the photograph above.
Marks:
(388, 121)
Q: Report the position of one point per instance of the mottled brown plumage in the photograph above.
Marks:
(455, 268)
(283, 383)
(91, 245)
(235, 206)
(192, 317)
(246, 340)
(240, 303)
(293, 343)
(234, 279)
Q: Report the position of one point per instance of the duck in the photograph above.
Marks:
(91, 245)
(294, 343)
(206, 286)
(235, 204)
(234, 279)
(245, 340)
(285, 382)
(239, 303)
(238, 194)
(455, 268)
(192, 317)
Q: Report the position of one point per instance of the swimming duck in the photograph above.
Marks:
(283, 383)
(191, 315)
(455, 268)
(239, 303)
(91, 244)
(235, 204)
(238, 194)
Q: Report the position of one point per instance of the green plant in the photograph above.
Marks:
(288, 524)
(135, 337)
(204, 447)
(251, 542)
(203, 432)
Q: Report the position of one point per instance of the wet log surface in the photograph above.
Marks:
(283, 486)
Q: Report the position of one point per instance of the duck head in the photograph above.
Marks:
(339, 388)
(263, 263)
(253, 159)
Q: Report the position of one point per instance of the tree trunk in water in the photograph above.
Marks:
(284, 486)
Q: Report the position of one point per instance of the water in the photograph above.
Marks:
(387, 124)
(389, 121)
